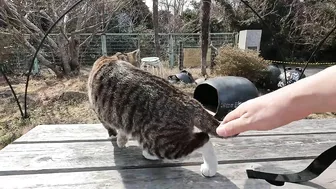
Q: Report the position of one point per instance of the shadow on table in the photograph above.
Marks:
(161, 177)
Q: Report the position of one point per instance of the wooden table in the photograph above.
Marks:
(80, 156)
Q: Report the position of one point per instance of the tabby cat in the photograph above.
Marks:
(131, 57)
(131, 102)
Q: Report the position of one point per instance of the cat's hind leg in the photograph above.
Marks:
(201, 142)
(111, 132)
(122, 139)
(181, 146)
(210, 163)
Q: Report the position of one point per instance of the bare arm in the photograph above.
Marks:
(314, 94)
(318, 91)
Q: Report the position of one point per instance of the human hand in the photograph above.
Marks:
(262, 113)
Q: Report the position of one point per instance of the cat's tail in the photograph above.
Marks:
(206, 122)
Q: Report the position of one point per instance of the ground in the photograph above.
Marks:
(52, 101)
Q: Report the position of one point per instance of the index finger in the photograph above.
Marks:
(234, 114)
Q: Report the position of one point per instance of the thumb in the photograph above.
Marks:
(232, 128)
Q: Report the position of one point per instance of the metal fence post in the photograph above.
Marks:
(138, 42)
(235, 39)
(103, 41)
(139, 47)
(36, 67)
(213, 52)
(181, 57)
(171, 51)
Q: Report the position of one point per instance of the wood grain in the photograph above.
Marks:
(73, 132)
(230, 176)
(73, 155)
(80, 156)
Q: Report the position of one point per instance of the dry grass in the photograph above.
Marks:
(52, 101)
(191, 57)
(236, 62)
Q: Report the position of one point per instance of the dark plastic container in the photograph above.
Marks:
(273, 77)
(270, 79)
(183, 76)
(223, 94)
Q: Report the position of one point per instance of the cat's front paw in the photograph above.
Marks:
(122, 141)
(208, 171)
(111, 137)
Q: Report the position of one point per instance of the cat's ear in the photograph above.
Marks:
(135, 53)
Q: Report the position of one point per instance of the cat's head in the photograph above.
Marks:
(131, 57)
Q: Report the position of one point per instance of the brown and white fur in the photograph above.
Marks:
(131, 102)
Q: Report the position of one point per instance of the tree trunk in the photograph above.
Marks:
(234, 18)
(74, 54)
(205, 27)
(56, 69)
(69, 55)
(64, 54)
(156, 27)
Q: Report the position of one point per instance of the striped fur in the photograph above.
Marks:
(131, 102)
(131, 57)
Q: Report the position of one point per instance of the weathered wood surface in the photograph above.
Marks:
(97, 132)
(80, 156)
(230, 176)
(103, 153)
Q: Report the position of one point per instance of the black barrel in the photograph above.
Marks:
(183, 76)
(270, 78)
(223, 94)
(273, 77)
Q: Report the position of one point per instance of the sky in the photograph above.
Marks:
(149, 3)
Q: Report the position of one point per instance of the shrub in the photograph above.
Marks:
(232, 61)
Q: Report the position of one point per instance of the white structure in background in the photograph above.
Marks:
(249, 39)
(153, 62)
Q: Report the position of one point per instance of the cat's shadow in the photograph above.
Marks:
(160, 177)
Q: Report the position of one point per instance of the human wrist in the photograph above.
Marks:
(296, 100)
(306, 96)
(303, 103)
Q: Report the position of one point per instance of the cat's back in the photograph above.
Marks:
(123, 94)
(110, 76)
(101, 76)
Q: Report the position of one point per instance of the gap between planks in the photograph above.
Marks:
(230, 176)
(148, 166)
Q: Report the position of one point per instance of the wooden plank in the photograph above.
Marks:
(65, 132)
(73, 132)
(38, 156)
(230, 176)
(304, 126)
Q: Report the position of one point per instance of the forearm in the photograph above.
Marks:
(314, 94)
